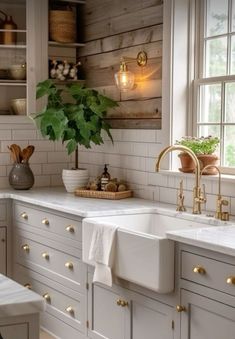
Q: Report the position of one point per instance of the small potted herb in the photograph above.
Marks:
(204, 148)
(80, 121)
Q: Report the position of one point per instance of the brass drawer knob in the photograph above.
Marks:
(180, 308)
(47, 297)
(46, 255)
(25, 248)
(45, 221)
(70, 310)
(24, 215)
(70, 229)
(121, 302)
(199, 270)
(69, 265)
(28, 285)
(230, 280)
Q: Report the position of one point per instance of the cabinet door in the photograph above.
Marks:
(13, 331)
(205, 318)
(150, 319)
(107, 319)
(3, 248)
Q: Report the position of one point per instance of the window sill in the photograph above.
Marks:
(224, 177)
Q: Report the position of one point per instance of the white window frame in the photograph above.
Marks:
(198, 64)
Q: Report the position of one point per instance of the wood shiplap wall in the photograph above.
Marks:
(117, 28)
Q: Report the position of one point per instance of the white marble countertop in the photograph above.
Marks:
(220, 238)
(18, 300)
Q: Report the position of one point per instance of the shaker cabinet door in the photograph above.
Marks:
(205, 318)
(14, 331)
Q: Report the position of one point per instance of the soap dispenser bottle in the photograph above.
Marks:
(105, 177)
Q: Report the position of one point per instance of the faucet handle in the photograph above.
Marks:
(180, 198)
(224, 202)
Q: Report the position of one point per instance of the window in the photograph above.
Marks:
(215, 81)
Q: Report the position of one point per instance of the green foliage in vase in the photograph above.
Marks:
(202, 145)
(77, 122)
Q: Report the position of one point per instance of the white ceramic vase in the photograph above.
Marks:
(74, 179)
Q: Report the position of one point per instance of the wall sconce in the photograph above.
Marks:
(125, 79)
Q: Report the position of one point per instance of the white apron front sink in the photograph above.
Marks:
(143, 253)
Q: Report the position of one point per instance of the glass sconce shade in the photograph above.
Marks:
(124, 79)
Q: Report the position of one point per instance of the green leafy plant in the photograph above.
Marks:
(202, 145)
(77, 122)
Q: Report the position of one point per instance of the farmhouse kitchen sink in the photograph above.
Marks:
(143, 253)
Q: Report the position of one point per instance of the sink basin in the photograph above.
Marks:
(143, 253)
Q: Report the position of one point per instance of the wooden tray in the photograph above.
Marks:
(103, 194)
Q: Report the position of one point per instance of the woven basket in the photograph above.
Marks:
(62, 26)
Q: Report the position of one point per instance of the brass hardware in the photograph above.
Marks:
(26, 248)
(45, 221)
(47, 297)
(198, 199)
(28, 285)
(46, 255)
(180, 199)
(70, 229)
(225, 216)
(230, 280)
(199, 269)
(180, 308)
(220, 202)
(24, 215)
(142, 58)
(69, 265)
(121, 302)
(70, 310)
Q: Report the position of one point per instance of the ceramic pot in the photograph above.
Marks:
(208, 159)
(21, 177)
(187, 164)
(75, 178)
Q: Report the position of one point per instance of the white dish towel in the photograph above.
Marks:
(102, 251)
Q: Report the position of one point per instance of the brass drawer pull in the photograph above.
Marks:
(199, 269)
(69, 265)
(26, 248)
(28, 285)
(122, 303)
(180, 308)
(230, 280)
(70, 229)
(46, 255)
(45, 221)
(24, 215)
(47, 297)
(70, 310)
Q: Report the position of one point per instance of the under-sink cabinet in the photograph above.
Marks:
(118, 313)
(5, 237)
(207, 294)
(3, 251)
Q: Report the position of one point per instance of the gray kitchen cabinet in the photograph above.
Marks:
(205, 318)
(118, 313)
(19, 331)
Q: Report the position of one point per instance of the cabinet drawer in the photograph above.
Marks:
(208, 272)
(45, 220)
(69, 310)
(33, 255)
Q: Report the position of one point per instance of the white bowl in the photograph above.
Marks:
(17, 72)
(74, 179)
(19, 106)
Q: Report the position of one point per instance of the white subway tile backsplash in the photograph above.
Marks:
(3, 171)
(44, 145)
(157, 179)
(22, 134)
(4, 158)
(5, 135)
(5, 144)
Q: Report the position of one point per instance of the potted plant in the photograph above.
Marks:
(204, 148)
(79, 121)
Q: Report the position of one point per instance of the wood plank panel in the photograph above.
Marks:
(101, 10)
(125, 23)
(135, 123)
(124, 40)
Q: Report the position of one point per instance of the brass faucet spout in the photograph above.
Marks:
(197, 197)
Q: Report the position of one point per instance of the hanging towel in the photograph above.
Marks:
(102, 250)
